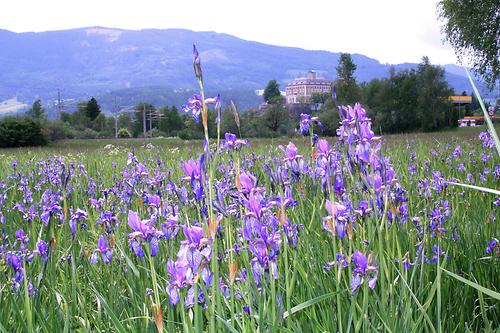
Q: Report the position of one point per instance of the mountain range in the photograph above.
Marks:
(122, 67)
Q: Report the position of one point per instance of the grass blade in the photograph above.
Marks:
(2, 328)
(419, 305)
(493, 133)
(307, 304)
(27, 303)
(118, 325)
(129, 262)
(483, 312)
(227, 324)
(479, 188)
(474, 285)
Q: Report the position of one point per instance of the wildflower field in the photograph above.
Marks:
(347, 234)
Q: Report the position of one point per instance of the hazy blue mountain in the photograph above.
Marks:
(100, 61)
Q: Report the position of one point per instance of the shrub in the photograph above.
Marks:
(87, 133)
(330, 120)
(21, 132)
(58, 130)
(124, 133)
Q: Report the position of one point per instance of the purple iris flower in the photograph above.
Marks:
(265, 248)
(194, 235)
(42, 249)
(109, 220)
(248, 182)
(30, 214)
(438, 252)
(360, 262)
(323, 148)
(182, 276)
(292, 232)
(192, 169)
(339, 216)
(50, 207)
(75, 218)
(230, 142)
(361, 269)
(364, 123)
(403, 212)
(253, 205)
(192, 260)
(170, 227)
(141, 228)
(306, 121)
(375, 182)
(355, 131)
(17, 265)
(340, 260)
(105, 251)
(493, 247)
(140, 170)
(197, 246)
(406, 263)
(21, 236)
(290, 152)
(457, 152)
(197, 64)
(15, 262)
(22, 239)
(144, 231)
(363, 209)
(487, 140)
(217, 108)
(154, 201)
(194, 105)
(363, 151)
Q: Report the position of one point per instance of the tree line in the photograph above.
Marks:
(406, 101)
(413, 100)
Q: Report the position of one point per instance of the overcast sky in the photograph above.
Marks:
(391, 31)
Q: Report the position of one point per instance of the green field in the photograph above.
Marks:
(219, 250)
(90, 145)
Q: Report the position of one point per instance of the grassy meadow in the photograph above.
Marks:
(160, 235)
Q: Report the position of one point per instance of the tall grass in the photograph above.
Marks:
(70, 294)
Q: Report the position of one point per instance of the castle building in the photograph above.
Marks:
(300, 90)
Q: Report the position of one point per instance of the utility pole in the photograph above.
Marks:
(150, 119)
(59, 106)
(144, 118)
(116, 120)
(116, 127)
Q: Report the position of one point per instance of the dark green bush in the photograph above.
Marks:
(21, 132)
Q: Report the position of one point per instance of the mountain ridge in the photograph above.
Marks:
(94, 61)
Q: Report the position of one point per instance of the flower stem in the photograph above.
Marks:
(214, 263)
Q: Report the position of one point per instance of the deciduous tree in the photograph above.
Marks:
(473, 28)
